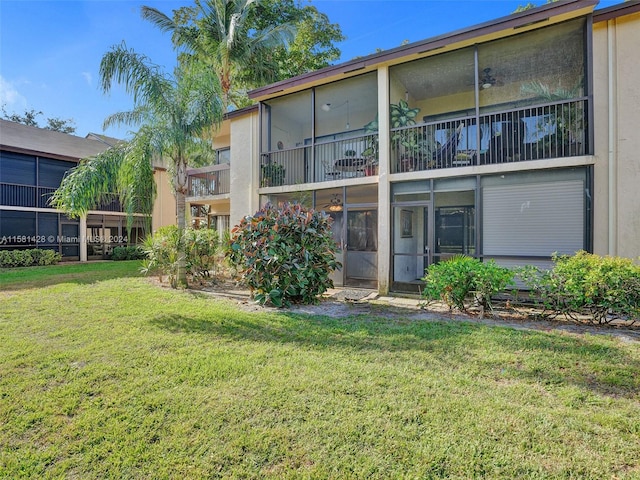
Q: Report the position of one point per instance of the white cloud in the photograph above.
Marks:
(87, 76)
(10, 98)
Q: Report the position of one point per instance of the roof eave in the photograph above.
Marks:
(615, 11)
(514, 21)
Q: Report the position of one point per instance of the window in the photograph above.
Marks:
(18, 169)
(223, 156)
(51, 172)
(18, 228)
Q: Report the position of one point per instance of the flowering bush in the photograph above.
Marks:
(284, 255)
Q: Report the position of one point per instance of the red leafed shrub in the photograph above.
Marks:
(285, 255)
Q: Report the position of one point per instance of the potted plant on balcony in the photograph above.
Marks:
(569, 120)
(272, 175)
(370, 153)
(410, 149)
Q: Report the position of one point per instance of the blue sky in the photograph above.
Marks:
(50, 50)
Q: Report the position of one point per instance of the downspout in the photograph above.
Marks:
(611, 86)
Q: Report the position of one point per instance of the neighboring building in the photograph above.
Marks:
(525, 143)
(33, 162)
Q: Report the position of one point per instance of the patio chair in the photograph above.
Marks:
(446, 154)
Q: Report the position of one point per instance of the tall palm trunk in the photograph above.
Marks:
(181, 180)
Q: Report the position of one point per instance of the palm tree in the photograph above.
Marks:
(172, 113)
(123, 172)
(218, 33)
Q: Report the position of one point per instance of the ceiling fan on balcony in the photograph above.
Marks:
(335, 204)
(488, 80)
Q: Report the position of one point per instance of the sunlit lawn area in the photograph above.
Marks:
(105, 375)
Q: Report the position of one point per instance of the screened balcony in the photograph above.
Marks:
(17, 195)
(209, 181)
(547, 131)
(514, 99)
(510, 100)
(322, 134)
(329, 159)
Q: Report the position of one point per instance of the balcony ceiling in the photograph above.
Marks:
(510, 61)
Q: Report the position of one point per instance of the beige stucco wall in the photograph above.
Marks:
(617, 136)
(164, 209)
(384, 208)
(244, 168)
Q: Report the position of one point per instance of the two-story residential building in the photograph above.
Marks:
(33, 162)
(511, 140)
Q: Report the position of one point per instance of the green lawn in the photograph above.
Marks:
(116, 378)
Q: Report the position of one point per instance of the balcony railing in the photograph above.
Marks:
(208, 181)
(16, 195)
(548, 131)
(544, 131)
(325, 161)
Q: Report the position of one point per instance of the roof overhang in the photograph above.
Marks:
(499, 28)
(615, 11)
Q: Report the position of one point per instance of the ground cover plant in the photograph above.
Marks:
(119, 378)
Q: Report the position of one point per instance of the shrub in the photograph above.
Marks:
(600, 288)
(161, 250)
(130, 252)
(201, 248)
(28, 258)
(284, 255)
(459, 278)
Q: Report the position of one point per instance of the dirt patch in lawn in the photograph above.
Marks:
(342, 302)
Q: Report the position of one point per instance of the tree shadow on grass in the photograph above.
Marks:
(352, 332)
(593, 364)
(78, 273)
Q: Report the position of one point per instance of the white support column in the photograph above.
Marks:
(82, 238)
(384, 207)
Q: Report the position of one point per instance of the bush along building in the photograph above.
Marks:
(509, 140)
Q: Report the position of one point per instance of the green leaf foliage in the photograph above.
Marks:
(587, 286)
(285, 255)
(130, 252)
(312, 47)
(461, 279)
(28, 258)
(162, 250)
(201, 247)
(224, 38)
(122, 172)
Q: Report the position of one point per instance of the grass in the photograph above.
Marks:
(117, 378)
(36, 277)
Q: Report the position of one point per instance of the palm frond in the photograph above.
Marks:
(90, 184)
(159, 19)
(181, 36)
(140, 77)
